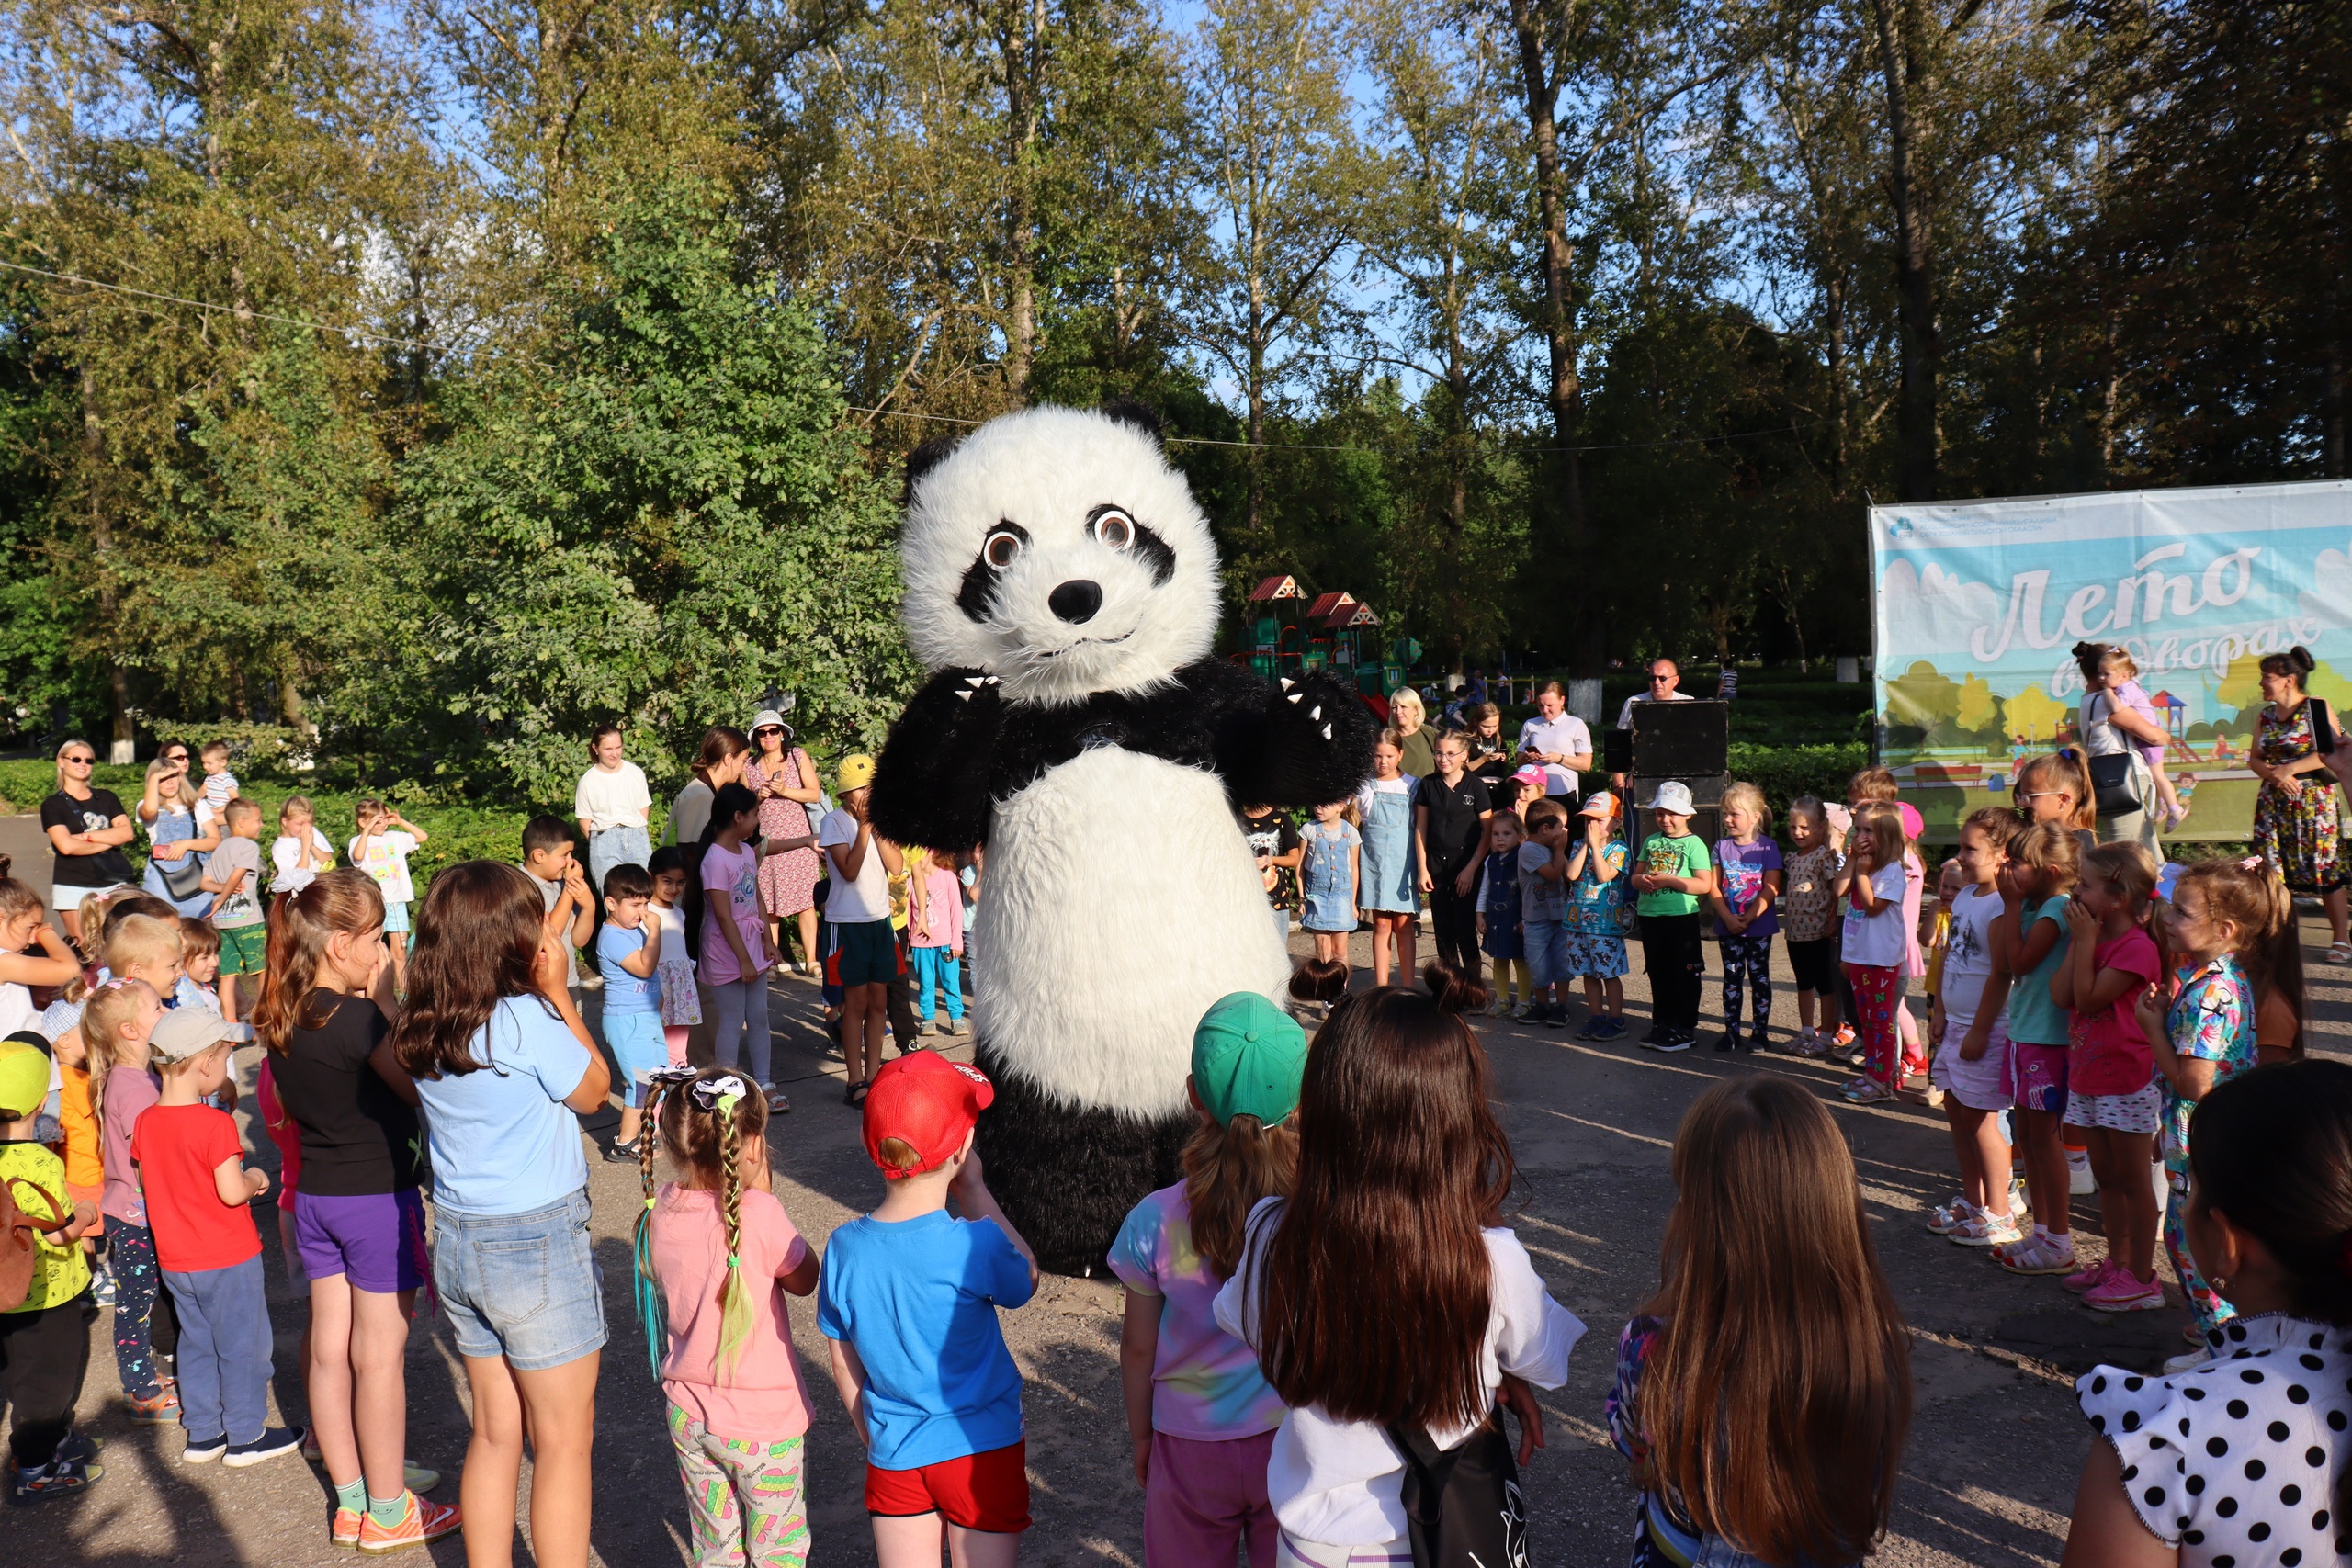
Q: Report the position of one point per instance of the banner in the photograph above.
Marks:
(1977, 609)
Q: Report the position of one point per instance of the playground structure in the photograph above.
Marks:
(1286, 633)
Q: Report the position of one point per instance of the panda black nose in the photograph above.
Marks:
(1076, 601)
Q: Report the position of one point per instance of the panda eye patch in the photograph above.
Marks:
(1113, 527)
(1002, 548)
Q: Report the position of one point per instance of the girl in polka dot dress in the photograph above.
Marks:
(2246, 1458)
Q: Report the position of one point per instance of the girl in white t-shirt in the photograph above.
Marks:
(1872, 882)
(1386, 1291)
(31, 953)
(1972, 1049)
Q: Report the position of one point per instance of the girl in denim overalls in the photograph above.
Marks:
(1390, 891)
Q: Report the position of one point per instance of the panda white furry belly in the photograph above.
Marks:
(1062, 588)
(1120, 899)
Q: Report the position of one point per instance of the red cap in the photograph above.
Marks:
(926, 1100)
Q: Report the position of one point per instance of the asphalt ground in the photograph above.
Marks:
(1989, 1473)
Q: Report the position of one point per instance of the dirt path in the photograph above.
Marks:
(1989, 1479)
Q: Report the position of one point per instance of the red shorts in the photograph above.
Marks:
(980, 1491)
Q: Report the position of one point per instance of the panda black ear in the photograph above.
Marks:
(1140, 416)
(921, 460)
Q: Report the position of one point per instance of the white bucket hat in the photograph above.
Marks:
(1672, 795)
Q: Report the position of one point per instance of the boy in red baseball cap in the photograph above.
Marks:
(908, 1297)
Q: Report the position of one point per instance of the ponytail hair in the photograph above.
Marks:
(2128, 868)
(2062, 770)
(1226, 1169)
(707, 1118)
(345, 899)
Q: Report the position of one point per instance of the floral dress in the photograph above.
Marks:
(788, 881)
(2212, 1020)
(2301, 836)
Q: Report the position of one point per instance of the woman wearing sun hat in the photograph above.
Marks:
(784, 778)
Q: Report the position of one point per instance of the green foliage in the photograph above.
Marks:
(657, 523)
(1784, 772)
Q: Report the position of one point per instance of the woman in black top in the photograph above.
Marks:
(1450, 816)
(87, 828)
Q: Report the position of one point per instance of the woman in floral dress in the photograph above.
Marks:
(2298, 827)
(784, 778)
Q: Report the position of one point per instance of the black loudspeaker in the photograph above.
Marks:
(1680, 741)
(1617, 750)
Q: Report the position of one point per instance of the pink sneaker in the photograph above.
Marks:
(2082, 1279)
(2120, 1291)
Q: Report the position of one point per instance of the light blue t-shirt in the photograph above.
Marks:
(918, 1300)
(624, 992)
(504, 1142)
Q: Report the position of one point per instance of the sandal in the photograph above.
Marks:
(1867, 1091)
(854, 1094)
(2339, 953)
(777, 1105)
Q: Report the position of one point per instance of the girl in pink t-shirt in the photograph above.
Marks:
(716, 1256)
(2112, 1099)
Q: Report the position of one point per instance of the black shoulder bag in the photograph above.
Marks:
(2114, 781)
(2322, 730)
(1464, 1508)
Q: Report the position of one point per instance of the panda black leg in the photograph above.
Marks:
(1068, 1178)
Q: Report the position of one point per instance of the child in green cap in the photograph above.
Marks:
(1201, 1415)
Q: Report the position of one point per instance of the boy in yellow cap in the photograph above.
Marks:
(864, 957)
(44, 1336)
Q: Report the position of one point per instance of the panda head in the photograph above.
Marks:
(1056, 550)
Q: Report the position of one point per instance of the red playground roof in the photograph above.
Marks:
(1274, 588)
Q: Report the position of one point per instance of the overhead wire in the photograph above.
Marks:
(355, 334)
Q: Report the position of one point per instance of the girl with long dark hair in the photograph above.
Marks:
(1386, 1292)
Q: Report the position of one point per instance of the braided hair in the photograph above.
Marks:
(706, 1118)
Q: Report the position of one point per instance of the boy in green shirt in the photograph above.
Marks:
(1674, 875)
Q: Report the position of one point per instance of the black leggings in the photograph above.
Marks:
(1455, 918)
(1677, 965)
(42, 1357)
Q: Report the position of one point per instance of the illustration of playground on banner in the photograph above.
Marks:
(1978, 608)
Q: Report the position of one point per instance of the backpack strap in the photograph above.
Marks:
(64, 1214)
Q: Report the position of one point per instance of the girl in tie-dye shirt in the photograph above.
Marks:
(2206, 1036)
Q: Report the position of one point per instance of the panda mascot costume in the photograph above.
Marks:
(1061, 586)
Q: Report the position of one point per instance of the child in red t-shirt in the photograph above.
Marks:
(192, 1168)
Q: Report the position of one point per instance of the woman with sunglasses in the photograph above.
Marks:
(784, 778)
(87, 828)
(181, 827)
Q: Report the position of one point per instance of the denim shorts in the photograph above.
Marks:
(520, 1286)
(395, 919)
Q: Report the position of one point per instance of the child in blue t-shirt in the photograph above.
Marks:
(908, 1295)
(628, 954)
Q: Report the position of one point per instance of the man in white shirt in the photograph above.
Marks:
(1665, 676)
(614, 806)
(1557, 739)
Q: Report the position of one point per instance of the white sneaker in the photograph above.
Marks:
(1523, 1012)
(2080, 1182)
(2185, 1360)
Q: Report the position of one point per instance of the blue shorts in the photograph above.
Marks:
(522, 1286)
(395, 920)
(638, 1047)
(1547, 953)
(1594, 956)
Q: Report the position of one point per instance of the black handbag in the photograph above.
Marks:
(184, 877)
(2114, 788)
(1464, 1508)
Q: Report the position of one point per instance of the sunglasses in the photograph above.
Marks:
(1660, 679)
(79, 762)
(769, 730)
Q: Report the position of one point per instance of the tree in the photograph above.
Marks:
(1275, 161)
(655, 521)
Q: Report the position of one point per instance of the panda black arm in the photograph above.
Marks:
(1302, 746)
(931, 784)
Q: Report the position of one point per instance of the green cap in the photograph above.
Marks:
(24, 1078)
(1248, 1057)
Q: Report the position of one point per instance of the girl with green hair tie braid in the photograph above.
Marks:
(716, 1256)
